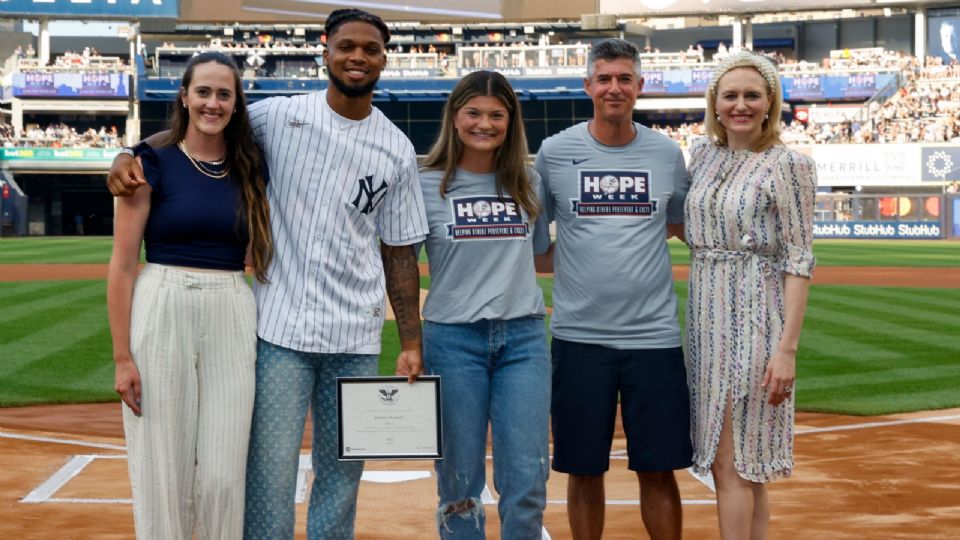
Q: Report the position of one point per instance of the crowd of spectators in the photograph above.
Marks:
(59, 136)
(926, 109)
(221, 44)
(86, 60)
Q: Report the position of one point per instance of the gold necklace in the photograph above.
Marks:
(201, 166)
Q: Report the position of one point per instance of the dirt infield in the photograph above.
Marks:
(855, 478)
(945, 278)
(64, 467)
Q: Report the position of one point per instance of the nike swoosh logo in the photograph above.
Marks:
(578, 161)
(297, 123)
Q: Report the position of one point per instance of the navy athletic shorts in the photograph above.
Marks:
(655, 405)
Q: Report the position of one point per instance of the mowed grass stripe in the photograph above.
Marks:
(914, 334)
(36, 320)
(934, 300)
(835, 343)
(850, 355)
(918, 253)
(880, 377)
(74, 365)
(15, 292)
(29, 339)
(17, 395)
(872, 401)
(49, 299)
(921, 253)
(38, 250)
(897, 311)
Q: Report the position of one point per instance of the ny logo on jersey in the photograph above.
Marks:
(368, 198)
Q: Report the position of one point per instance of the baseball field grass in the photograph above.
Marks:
(918, 253)
(864, 350)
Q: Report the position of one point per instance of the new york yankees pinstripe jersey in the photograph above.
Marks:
(336, 187)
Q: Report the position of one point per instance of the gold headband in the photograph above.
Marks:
(746, 59)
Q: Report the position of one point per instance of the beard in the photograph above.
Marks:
(352, 91)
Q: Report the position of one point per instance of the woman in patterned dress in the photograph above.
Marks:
(749, 224)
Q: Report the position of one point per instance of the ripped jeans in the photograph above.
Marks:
(497, 373)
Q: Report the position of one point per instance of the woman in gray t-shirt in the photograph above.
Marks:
(484, 332)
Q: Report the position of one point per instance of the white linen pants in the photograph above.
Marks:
(193, 340)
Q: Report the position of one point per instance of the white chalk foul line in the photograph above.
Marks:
(88, 501)
(75, 442)
(44, 492)
(59, 479)
(867, 425)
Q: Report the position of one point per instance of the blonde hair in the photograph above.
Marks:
(770, 131)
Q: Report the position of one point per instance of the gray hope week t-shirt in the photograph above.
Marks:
(480, 250)
(613, 284)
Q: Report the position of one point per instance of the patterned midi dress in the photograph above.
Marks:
(749, 221)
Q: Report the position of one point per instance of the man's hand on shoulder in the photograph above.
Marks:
(126, 176)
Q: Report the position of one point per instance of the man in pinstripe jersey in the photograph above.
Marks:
(342, 177)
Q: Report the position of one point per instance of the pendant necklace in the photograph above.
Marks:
(203, 166)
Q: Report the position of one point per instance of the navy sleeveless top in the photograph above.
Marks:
(194, 220)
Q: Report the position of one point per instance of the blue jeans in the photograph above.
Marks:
(495, 372)
(288, 382)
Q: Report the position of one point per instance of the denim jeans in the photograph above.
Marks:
(495, 372)
(288, 382)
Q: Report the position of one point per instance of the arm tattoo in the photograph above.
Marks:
(403, 288)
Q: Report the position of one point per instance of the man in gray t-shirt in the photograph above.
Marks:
(615, 188)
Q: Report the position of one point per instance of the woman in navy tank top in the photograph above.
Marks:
(184, 327)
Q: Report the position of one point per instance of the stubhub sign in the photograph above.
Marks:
(93, 8)
(914, 230)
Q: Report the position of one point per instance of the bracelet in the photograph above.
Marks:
(135, 150)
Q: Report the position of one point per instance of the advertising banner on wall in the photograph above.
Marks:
(940, 163)
(823, 87)
(73, 85)
(93, 8)
(686, 82)
(956, 217)
(897, 230)
(830, 115)
(866, 164)
(58, 154)
(410, 73)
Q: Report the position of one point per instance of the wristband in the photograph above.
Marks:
(136, 150)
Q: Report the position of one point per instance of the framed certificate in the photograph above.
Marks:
(388, 418)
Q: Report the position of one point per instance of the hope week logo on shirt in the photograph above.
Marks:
(486, 217)
(609, 193)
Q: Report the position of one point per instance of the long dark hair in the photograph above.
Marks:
(510, 159)
(243, 160)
